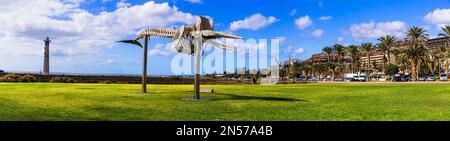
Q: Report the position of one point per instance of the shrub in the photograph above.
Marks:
(58, 79)
(1, 71)
(10, 78)
(391, 70)
(27, 78)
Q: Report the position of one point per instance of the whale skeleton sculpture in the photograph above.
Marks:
(186, 39)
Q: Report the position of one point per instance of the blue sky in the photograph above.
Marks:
(324, 23)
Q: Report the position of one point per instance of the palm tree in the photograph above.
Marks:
(396, 53)
(441, 56)
(414, 54)
(339, 50)
(383, 49)
(328, 51)
(367, 47)
(319, 69)
(308, 68)
(353, 52)
(416, 35)
(388, 41)
(446, 32)
(403, 62)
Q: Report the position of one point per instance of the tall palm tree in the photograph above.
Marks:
(367, 47)
(355, 57)
(441, 56)
(383, 49)
(327, 51)
(416, 35)
(339, 50)
(396, 53)
(446, 32)
(414, 54)
(403, 62)
(388, 41)
(319, 69)
(308, 68)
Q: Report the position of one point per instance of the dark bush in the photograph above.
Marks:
(10, 78)
(58, 79)
(391, 70)
(27, 78)
(107, 82)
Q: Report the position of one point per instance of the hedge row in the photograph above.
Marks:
(30, 78)
(18, 78)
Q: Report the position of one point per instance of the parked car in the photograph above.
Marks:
(406, 77)
(312, 78)
(349, 79)
(360, 78)
(340, 79)
(431, 77)
(325, 79)
(443, 77)
(397, 78)
(378, 78)
(422, 77)
(300, 78)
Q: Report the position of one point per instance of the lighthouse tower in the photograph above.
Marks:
(47, 56)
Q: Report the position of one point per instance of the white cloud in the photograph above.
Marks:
(440, 17)
(292, 52)
(105, 1)
(76, 31)
(303, 22)
(340, 40)
(282, 39)
(293, 12)
(123, 4)
(318, 33)
(194, 1)
(161, 50)
(375, 30)
(299, 51)
(325, 18)
(254, 22)
(321, 3)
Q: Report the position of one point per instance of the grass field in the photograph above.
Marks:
(306, 102)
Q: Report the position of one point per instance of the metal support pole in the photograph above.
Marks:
(144, 65)
(198, 52)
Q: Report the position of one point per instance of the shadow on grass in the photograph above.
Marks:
(243, 97)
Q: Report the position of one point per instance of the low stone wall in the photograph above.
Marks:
(154, 79)
(137, 79)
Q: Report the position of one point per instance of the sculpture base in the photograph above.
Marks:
(193, 99)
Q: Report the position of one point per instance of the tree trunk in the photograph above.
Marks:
(414, 73)
(333, 75)
(368, 67)
(318, 76)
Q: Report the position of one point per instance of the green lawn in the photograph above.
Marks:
(355, 102)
